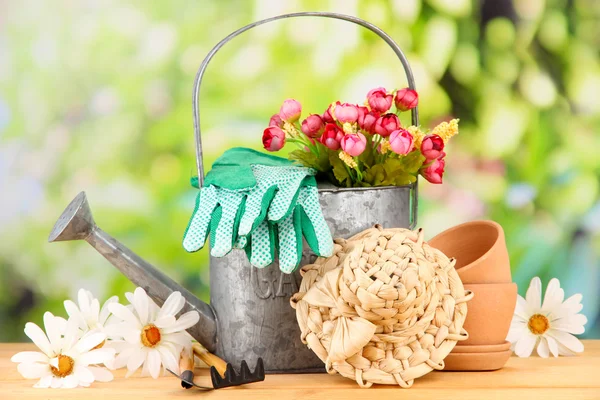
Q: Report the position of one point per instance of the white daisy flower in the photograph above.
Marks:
(548, 325)
(88, 314)
(65, 359)
(153, 337)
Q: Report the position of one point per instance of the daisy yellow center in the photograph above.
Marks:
(538, 324)
(150, 335)
(65, 366)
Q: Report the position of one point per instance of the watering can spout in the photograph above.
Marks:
(77, 223)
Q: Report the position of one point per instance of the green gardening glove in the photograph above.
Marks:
(305, 219)
(237, 193)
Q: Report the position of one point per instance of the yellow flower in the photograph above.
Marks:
(417, 135)
(385, 146)
(446, 130)
(347, 158)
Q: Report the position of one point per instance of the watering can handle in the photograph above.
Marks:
(349, 18)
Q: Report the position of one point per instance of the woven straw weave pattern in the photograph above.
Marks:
(385, 308)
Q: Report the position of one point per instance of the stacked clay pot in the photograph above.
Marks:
(483, 265)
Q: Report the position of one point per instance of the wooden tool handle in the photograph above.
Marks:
(210, 359)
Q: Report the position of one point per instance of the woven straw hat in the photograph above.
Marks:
(385, 308)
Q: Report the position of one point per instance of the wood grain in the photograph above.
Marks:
(530, 378)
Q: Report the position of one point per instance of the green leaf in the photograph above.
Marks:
(412, 162)
(310, 159)
(339, 170)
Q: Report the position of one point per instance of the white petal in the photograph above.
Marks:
(534, 294)
(114, 331)
(84, 302)
(101, 374)
(33, 370)
(83, 374)
(105, 312)
(129, 297)
(522, 308)
(136, 359)
(554, 295)
(70, 382)
(517, 329)
(563, 351)
(37, 336)
(165, 321)
(567, 340)
(73, 312)
(53, 332)
(72, 333)
(542, 349)
(154, 363)
(169, 359)
(124, 313)
(552, 345)
(44, 382)
(140, 303)
(29, 357)
(132, 336)
(572, 324)
(98, 356)
(94, 310)
(179, 339)
(571, 306)
(56, 382)
(123, 357)
(187, 320)
(525, 345)
(172, 306)
(89, 341)
(145, 370)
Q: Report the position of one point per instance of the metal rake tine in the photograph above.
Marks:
(245, 374)
(187, 383)
(259, 371)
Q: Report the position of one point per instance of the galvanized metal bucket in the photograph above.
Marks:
(254, 317)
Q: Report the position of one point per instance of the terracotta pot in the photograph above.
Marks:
(480, 251)
(476, 361)
(483, 348)
(489, 312)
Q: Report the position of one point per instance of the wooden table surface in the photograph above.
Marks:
(529, 378)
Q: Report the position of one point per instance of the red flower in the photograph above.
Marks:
(290, 110)
(273, 138)
(432, 147)
(379, 99)
(313, 126)
(332, 136)
(406, 99)
(276, 121)
(386, 124)
(434, 172)
(367, 119)
(401, 141)
(354, 144)
(327, 116)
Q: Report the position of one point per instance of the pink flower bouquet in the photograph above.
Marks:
(363, 146)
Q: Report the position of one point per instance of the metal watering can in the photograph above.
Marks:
(249, 315)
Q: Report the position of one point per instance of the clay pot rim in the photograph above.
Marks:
(476, 348)
(490, 353)
(484, 256)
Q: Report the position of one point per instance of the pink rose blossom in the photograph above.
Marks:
(434, 172)
(313, 126)
(290, 110)
(367, 119)
(401, 141)
(432, 147)
(327, 116)
(332, 136)
(346, 112)
(406, 99)
(386, 124)
(379, 100)
(276, 121)
(354, 144)
(273, 138)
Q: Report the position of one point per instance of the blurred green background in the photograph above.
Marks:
(96, 96)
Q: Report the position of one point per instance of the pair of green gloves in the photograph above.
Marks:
(261, 203)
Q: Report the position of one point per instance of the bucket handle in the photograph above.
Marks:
(344, 17)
